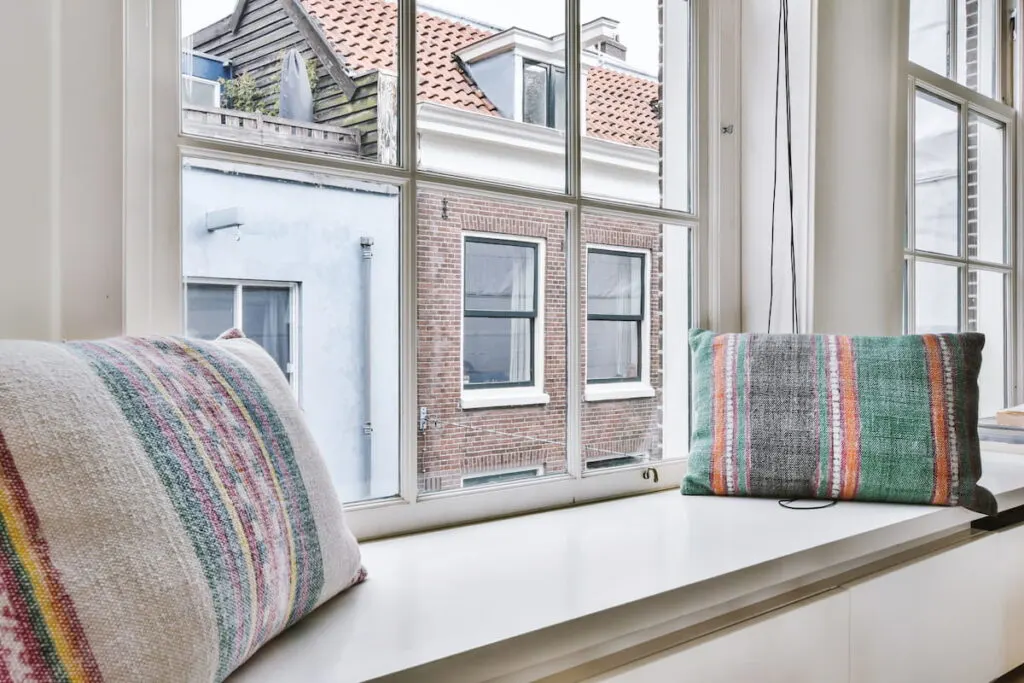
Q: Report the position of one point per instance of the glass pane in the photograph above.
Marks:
(335, 93)
(497, 351)
(937, 175)
(246, 223)
(976, 40)
(614, 283)
(977, 45)
(500, 276)
(210, 310)
(637, 84)
(937, 298)
(613, 350)
(535, 94)
(266, 319)
(929, 29)
(480, 112)
(986, 189)
(986, 313)
(636, 401)
(494, 388)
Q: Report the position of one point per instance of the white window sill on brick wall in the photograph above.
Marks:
(503, 398)
(618, 391)
(521, 598)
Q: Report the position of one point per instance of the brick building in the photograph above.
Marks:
(491, 276)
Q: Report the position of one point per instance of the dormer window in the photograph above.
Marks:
(543, 95)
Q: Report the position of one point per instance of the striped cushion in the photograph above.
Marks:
(165, 511)
(891, 419)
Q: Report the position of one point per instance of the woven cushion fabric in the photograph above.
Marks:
(890, 419)
(165, 511)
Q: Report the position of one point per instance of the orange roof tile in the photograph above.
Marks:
(364, 32)
(622, 108)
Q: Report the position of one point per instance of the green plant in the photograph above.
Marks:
(242, 93)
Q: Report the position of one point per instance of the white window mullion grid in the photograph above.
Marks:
(968, 102)
(411, 510)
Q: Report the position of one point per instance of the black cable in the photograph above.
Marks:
(775, 175)
(789, 156)
(788, 504)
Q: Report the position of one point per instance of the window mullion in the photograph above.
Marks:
(408, 418)
(573, 241)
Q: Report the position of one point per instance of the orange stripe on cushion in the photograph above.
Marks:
(851, 419)
(940, 429)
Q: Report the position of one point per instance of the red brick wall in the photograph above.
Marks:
(465, 442)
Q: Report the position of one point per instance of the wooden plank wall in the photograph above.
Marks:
(264, 34)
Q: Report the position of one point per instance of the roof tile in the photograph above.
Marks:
(621, 107)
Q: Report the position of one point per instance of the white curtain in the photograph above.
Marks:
(522, 300)
(627, 293)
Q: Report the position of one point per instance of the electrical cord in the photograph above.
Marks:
(782, 70)
(789, 504)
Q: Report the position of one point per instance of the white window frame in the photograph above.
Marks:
(627, 389)
(506, 397)
(155, 148)
(216, 87)
(293, 288)
(967, 101)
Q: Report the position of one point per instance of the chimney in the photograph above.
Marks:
(613, 48)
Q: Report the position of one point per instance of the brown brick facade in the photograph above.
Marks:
(459, 442)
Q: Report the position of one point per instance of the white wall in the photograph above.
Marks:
(757, 128)
(309, 233)
(849, 145)
(60, 239)
(61, 236)
(860, 161)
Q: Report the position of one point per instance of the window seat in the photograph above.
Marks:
(528, 596)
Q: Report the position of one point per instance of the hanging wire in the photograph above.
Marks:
(789, 158)
(775, 175)
(782, 73)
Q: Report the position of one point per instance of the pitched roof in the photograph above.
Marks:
(364, 32)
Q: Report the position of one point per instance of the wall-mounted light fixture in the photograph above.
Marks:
(223, 219)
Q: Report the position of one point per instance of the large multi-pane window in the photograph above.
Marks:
(960, 258)
(492, 212)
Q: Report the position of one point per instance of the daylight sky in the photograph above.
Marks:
(638, 28)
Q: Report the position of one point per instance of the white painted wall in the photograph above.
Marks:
(860, 161)
(61, 237)
(849, 139)
(310, 234)
(757, 126)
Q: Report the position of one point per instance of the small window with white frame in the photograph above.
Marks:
(200, 92)
(264, 311)
(502, 339)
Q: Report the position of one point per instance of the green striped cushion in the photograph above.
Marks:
(164, 511)
(891, 419)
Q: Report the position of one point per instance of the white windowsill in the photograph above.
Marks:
(618, 391)
(503, 398)
(589, 576)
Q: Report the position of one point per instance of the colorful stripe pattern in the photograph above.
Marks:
(836, 417)
(229, 468)
(41, 638)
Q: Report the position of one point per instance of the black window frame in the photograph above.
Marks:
(552, 92)
(607, 317)
(531, 315)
